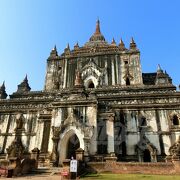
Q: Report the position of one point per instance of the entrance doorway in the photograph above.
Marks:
(72, 145)
(146, 156)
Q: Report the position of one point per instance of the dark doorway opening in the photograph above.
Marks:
(72, 146)
(146, 156)
(91, 85)
(175, 120)
(127, 81)
(143, 122)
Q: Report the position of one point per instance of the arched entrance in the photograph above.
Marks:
(127, 81)
(70, 140)
(72, 145)
(146, 156)
(91, 84)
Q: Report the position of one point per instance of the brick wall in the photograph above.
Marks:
(132, 167)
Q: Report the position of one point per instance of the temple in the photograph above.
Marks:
(95, 100)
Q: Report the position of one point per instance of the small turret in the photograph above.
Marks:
(24, 86)
(67, 49)
(76, 46)
(3, 93)
(121, 45)
(113, 43)
(133, 44)
(54, 52)
(162, 77)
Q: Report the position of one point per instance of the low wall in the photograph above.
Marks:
(134, 168)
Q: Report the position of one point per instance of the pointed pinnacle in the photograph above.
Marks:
(121, 45)
(26, 79)
(159, 70)
(132, 44)
(2, 87)
(132, 40)
(121, 42)
(55, 48)
(77, 45)
(159, 67)
(3, 84)
(113, 42)
(68, 47)
(98, 31)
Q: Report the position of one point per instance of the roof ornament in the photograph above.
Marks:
(54, 48)
(113, 42)
(97, 36)
(67, 49)
(159, 70)
(24, 86)
(3, 93)
(76, 46)
(54, 52)
(3, 86)
(121, 45)
(98, 31)
(133, 44)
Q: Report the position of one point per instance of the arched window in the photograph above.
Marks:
(143, 121)
(175, 120)
(127, 81)
(91, 85)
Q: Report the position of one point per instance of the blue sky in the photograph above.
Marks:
(30, 28)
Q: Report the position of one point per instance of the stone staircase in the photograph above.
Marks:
(47, 171)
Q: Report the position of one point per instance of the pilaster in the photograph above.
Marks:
(110, 133)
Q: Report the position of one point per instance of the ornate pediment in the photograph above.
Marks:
(72, 119)
(145, 143)
(175, 149)
(91, 68)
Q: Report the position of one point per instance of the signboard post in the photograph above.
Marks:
(73, 166)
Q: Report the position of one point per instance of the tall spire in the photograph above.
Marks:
(97, 37)
(98, 31)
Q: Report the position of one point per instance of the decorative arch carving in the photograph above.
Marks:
(144, 144)
(64, 138)
(72, 126)
(174, 151)
(92, 72)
